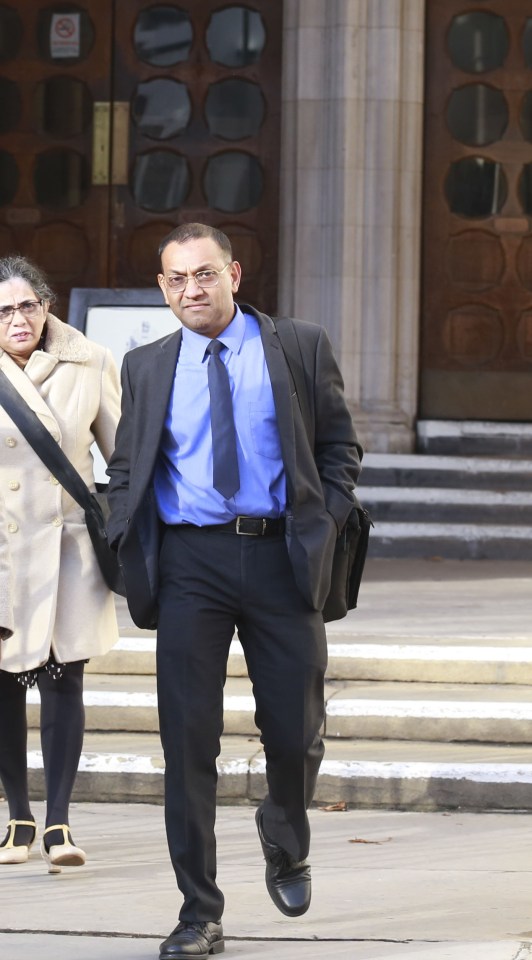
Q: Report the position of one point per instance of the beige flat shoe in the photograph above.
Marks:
(17, 853)
(62, 854)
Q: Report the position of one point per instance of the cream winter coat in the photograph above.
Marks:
(60, 601)
(6, 602)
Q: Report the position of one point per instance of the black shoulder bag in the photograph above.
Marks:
(60, 466)
(352, 544)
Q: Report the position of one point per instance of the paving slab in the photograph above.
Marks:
(388, 885)
(486, 599)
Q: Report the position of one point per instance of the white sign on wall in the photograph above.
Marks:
(121, 329)
(65, 35)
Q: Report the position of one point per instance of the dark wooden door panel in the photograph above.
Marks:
(197, 127)
(476, 357)
(51, 209)
(123, 118)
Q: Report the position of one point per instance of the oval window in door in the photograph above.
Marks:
(160, 180)
(478, 41)
(163, 36)
(11, 105)
(161, 108)
(236, 36)
(62, 107)
(476, 187)
(61, 178)
(65, 35)
(233, 181)
(8, 177)
(11, 31)
(234, 109)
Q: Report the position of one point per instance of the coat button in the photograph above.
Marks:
(12, 527)
(14, 485)
(54, 480)
(11, 442)
(57, 522)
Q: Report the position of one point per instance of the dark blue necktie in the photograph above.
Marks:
(225, 476)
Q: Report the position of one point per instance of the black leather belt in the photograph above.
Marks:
(250, 527)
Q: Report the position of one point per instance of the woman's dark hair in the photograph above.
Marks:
(20, 268)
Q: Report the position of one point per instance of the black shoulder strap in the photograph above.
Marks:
(292, 351)
(43, 443)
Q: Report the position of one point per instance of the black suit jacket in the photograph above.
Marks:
(321, 458)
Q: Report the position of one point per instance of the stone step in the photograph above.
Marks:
(447, 505)
(353, 657)
(393, 711)
(423, 470)
(452, 541)
(474, 438)
(128, 768)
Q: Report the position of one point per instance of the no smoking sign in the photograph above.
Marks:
(64, 35)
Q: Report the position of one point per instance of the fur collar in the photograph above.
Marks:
(64, 342)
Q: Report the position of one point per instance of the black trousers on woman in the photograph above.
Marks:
(62, 727)
(212, 582)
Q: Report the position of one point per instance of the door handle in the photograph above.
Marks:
(120, 156)
(100, 143)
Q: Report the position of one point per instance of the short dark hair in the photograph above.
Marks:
(20, 268)
(197, 231)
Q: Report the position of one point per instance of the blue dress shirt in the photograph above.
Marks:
(183, 476)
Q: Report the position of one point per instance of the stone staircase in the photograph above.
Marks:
(411, 723)
(456, 498)
(432, 718)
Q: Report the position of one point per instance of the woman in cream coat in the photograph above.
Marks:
(63, 612)
(6, 602)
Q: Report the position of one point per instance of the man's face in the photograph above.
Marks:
(207, 311)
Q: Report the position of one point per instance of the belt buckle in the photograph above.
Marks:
(246, 533)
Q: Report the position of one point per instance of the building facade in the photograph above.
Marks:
(370, 159)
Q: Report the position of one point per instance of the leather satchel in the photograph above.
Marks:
(60, 467)
(349, 557)
(352, 543)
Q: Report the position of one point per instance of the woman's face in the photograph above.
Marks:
(20, 333)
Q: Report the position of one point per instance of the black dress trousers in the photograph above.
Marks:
(212, 582)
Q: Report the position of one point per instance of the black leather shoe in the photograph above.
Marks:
(197, 940)
(287, 881)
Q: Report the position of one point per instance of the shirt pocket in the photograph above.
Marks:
(264, 430)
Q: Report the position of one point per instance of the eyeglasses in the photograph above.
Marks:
(28, 309)
(203, 278)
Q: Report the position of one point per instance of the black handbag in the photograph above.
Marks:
(348, 565)
(351, 546)
(60, 467)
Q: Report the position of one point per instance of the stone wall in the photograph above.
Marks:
(350, 218)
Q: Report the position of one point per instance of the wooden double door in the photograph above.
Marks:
(123, 118)
(476, 359)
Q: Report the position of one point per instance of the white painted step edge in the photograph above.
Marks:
(473, 428)
(381, 651)
(450, 531)
(424, 461)
(503, 773)
(336, 707)
(440, 496)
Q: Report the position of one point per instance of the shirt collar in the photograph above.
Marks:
(232, 337)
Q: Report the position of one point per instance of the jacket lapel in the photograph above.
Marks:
(155, 384)
(284, 396)
(28, 392)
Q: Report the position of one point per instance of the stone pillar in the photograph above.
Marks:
(351, 197)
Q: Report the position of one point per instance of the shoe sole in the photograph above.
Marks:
(217, 947)
(14, 857)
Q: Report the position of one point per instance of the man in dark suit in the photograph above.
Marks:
(214, 537)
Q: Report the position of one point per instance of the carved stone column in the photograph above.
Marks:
(351, 197)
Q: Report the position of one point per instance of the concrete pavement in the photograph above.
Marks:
(386, 886)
